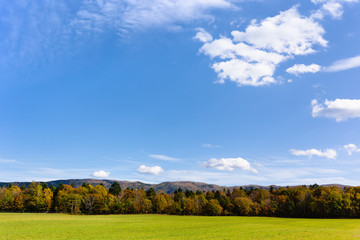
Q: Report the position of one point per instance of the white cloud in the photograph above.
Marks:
(138, 14)
(328, 153)
(340, 109)
(44, 30)
(244, 73)
(163, 157)
(251, 57)
(344, 64)
(33, 30)
(301, 68)
(155, 170)
(4, 160)
(243, 64)
(218, 177)
(342, 1)
(229, 164)
(334, 8)
(350, 148)
(340, 65)
(208, 145)
(100, 174)
(203, 36)
(289, 33)
(226, 48)
(279, 176)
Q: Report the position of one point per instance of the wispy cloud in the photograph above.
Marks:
(337, 66)
(124, 15)
(340, 109)
(221, 178)
(328, 153)
(42, 30)
(208, 145)
(33, 30)
(51, 173)
(4, 160)
(344, 64)
(163, 157)
(275, 175)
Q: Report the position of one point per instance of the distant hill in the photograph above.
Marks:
(167, 187)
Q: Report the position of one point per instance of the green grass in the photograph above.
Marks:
(61, 226)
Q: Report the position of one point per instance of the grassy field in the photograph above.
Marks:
(61, 226)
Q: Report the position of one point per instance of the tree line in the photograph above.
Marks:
(312, 201)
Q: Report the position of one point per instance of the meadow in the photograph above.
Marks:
(63, 226)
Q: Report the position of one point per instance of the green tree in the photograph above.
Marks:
(115, 189)
(74, 201)
(34, 198)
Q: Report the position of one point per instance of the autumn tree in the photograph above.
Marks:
(213, 208)
(34, 198)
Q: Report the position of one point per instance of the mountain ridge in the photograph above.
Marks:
(167, 186)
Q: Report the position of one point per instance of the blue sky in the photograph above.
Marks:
(219, 91)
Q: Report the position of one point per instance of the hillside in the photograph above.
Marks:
(167, 187)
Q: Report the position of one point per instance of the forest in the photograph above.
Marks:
(312, 201)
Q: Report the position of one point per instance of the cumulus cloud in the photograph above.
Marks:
(328, 153)
(334, 8)
(203, 36)
(289, 33)
(155, 170)
(139, 14)
(344, 64)
(226, 48)
(340, 109)
(100, 174)
(229, 164)
(350, 148)
(163, 157)
(301, 68)
(251, 57)
(245, 73)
